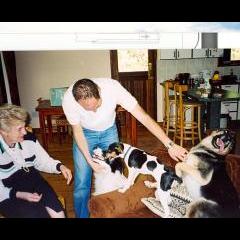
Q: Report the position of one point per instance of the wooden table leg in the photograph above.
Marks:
(49, 125)
(133, 131)
(128, 128)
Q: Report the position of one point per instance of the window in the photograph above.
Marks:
(132, 60)
(235, 54)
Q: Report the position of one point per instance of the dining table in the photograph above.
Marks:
(46, 112)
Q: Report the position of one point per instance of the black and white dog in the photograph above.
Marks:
(205, 177)
(139, 162)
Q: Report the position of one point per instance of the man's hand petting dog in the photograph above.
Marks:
(177, 153)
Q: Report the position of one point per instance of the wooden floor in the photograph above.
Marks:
(63, 152)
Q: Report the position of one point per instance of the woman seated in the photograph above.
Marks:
(23, 191)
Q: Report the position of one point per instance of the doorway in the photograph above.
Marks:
(136, 71)
(8, 63)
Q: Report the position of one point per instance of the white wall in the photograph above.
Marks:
(38, 71)
(167, 69)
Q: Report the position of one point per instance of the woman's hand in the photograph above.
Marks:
(31, 197)
(66, 172)
(177, 152)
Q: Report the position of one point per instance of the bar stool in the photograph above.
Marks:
(169, 111)
(186, 130)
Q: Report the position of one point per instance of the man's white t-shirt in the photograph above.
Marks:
(112, 94)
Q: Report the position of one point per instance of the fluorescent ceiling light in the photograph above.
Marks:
(116, 37)
(80, 41)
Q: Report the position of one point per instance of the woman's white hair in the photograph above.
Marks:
(10, 115)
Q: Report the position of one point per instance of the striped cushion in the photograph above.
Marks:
(179, 201)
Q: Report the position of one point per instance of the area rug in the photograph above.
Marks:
(179, 201)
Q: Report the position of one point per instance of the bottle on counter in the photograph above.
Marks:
(216, 76)
(207, 84)
(201, 82)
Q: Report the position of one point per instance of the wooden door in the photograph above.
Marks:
(141, 84)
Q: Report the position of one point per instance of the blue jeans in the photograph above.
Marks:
(83, 172)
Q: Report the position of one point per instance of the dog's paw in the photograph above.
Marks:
(149, 184)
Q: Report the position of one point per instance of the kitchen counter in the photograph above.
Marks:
(212, 104)
(213, 96)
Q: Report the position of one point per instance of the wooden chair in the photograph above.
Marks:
(186, 129)
(63, 126)
(59, 122)
(169, 111)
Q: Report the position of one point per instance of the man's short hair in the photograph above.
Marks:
(85, 88)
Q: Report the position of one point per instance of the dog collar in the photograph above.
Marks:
(127, 152)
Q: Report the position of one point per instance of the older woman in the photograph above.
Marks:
(23, 191)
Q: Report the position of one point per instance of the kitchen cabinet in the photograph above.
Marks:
(214, 52)
(231, 106)
(207, 52)
(173, 54)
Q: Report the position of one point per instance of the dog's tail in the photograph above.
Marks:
(203, 208)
